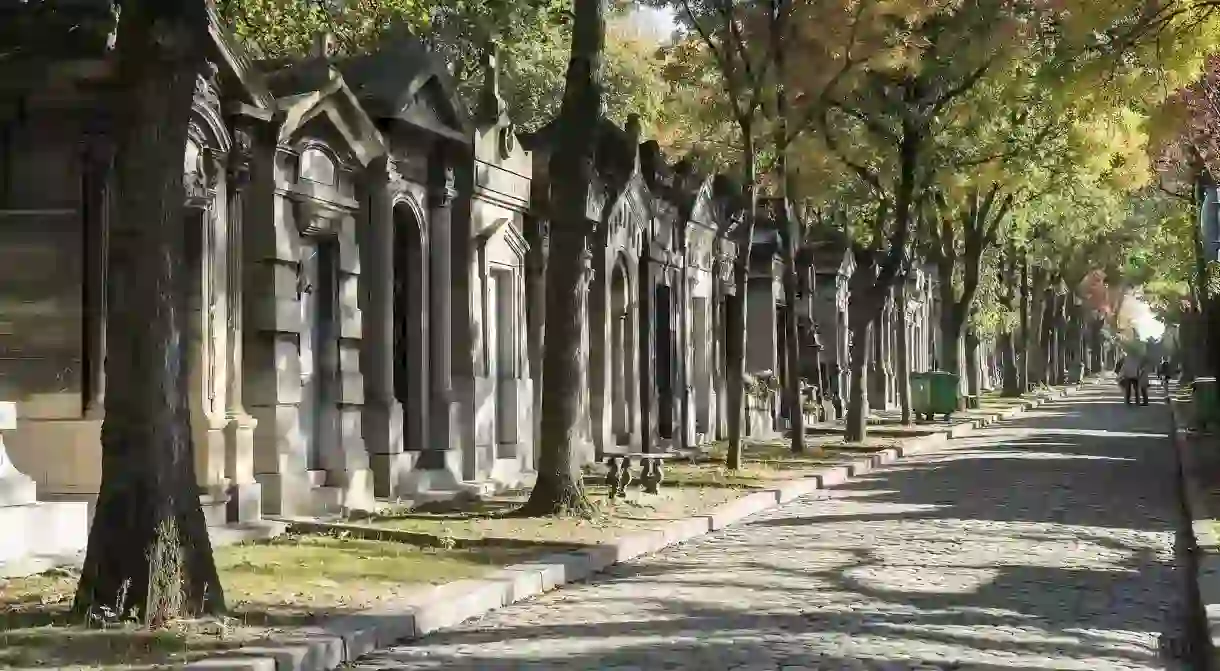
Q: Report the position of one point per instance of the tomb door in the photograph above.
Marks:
(319, 351)
(502, 357)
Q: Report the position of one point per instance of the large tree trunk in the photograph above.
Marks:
(149, 554)
(1027, 340)
(861, 321)
(559, 488)
(904, 353)
(735, 364)
(872, 284)
(1008, 361)
(973, 383)
(735, 344)
(792, 347)
(1046, 360)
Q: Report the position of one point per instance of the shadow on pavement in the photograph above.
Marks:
(1042, 543)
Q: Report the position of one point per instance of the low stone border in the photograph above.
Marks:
(1204, 556)
(347, 638)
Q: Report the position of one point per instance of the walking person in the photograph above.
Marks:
(1129, 377)
(1163, 371)
(1145, 371)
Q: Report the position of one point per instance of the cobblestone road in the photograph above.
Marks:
(1043, 543)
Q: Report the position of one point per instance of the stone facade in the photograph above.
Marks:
(365, 266)
(356, 280)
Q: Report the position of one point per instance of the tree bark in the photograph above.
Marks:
(861, 323)
(734, 353)
(973, 383)
(1008, 361)
(1027, 340)
(735, 345)
(792, 347)
(1046, 350)
(559, 488)
(904, 353)
(149, 555)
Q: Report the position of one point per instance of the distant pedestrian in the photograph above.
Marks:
(1129, 372)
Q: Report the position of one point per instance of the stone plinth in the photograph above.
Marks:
(36, 535)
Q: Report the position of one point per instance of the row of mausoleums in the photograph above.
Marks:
(366, 276)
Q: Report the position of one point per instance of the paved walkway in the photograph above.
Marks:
(1042, 543)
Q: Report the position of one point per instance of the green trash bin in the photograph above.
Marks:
(944, 394)
(1206, 401)
(921, 394)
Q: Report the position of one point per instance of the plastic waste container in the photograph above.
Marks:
(943, 389)
(921, 394)
(1206, 399)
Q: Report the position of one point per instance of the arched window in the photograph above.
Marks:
(317, 167)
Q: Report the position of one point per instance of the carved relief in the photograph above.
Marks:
(241, 155)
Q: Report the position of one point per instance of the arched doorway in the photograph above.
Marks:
(410, 372)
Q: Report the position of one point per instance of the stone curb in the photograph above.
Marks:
(1206, 555)
(347, 638)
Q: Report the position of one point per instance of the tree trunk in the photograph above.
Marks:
(734, 354)
(1008, 361)
(1095, 347)
(559, 488)
(1027, 341)
(904, 354)
(1046, 359)
(872, 284)
(149, 555)
(951, 338)
(792, 347)
(735, 345)
(973, 383)
(861, 319)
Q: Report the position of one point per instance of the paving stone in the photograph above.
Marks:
(1040, 542)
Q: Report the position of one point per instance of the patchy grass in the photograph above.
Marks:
(270, 587)
(689, 489)
(487, 522)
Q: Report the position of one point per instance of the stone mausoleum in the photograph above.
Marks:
(365, 266)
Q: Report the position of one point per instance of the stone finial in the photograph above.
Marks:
(491, 104)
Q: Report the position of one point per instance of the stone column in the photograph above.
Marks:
(245, 494)
(599, 320)
(437, 454)
(631, 368)
(383, 417)
(647, 366)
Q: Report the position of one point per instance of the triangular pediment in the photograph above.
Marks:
(403, 81)
(430, 107)
(314, 92)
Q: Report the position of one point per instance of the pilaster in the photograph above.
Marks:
(245, 493)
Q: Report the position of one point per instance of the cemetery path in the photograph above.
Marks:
(1046, 542)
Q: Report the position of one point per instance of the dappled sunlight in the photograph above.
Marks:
(1025, 548)
(917, 579)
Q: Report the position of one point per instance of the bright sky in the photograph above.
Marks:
(1145, 321)
(659, 22)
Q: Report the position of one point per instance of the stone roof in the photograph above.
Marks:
(404, 81)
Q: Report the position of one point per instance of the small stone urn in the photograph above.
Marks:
(16, 488)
